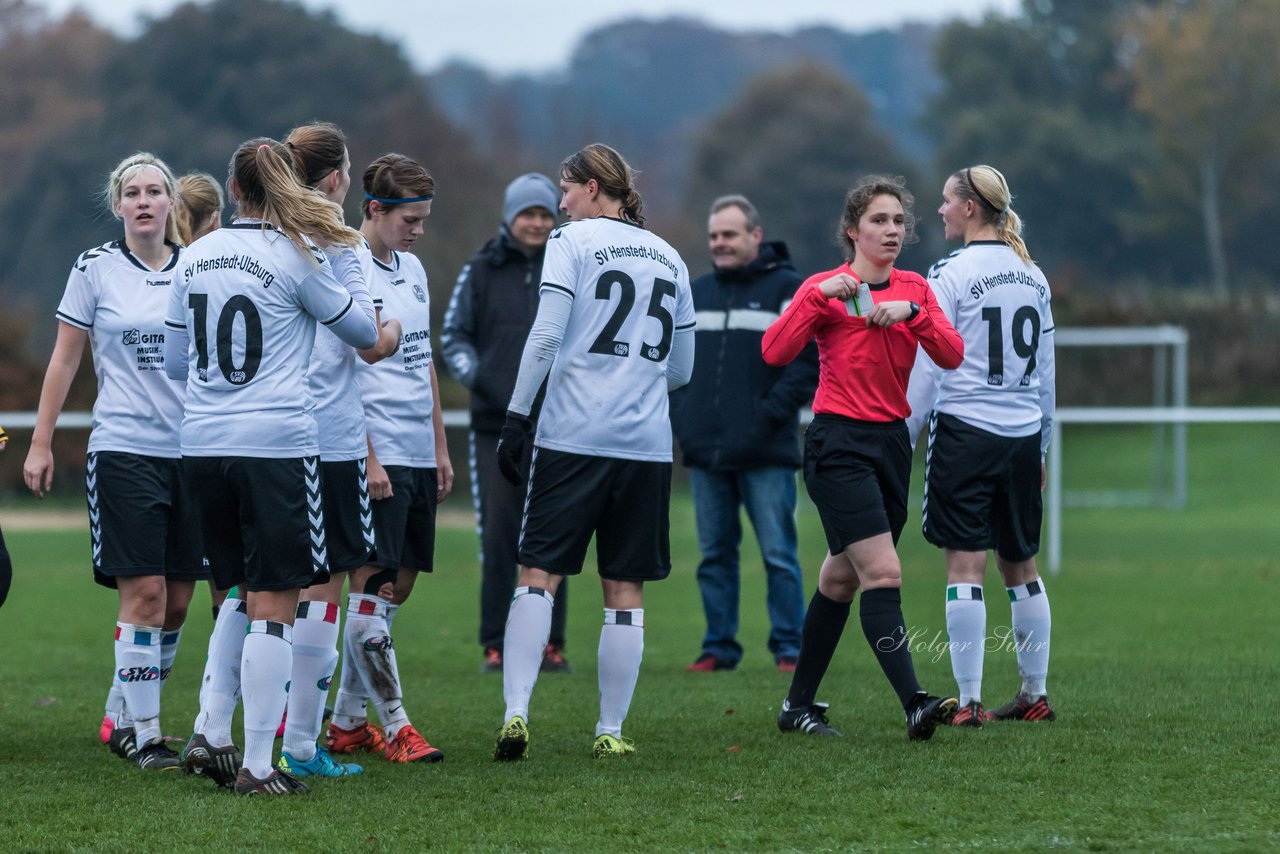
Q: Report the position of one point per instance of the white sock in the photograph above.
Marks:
(220, 686)
(391, 711)
(371, 653)
(1031, 623)
(138, 671)
(315, 655)
(264, 671)
(967, 633)
(618, 664)
(115, 700)
(169, 641)
(528, 627)
(349, 706)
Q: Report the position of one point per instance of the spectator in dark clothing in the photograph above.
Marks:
(737, 424)
(490, 313)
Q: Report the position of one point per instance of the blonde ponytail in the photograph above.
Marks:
(269, 189)
(986, 186)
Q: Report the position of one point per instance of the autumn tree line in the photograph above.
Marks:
(1141, 139)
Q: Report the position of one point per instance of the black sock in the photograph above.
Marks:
(881, 613)
(823, 625)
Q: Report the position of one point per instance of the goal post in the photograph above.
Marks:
(1179, 416)
(1169, 389)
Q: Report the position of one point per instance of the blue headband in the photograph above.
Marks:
(425, 198)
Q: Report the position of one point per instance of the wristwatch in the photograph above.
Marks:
(915, 309)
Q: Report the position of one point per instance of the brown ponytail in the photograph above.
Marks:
(615, 177)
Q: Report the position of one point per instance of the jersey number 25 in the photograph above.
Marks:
(606, 344)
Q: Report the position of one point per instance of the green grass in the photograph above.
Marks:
(1164, 674)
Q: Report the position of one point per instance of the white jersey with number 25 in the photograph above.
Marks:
(607, 390)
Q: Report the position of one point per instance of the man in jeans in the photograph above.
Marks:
(737, 425)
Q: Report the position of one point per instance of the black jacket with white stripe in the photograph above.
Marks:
(738, 412)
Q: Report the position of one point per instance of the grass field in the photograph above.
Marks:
(1165, 675)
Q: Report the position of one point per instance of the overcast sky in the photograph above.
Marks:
(516, 35)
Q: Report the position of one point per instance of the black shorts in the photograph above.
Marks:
(982, 491)
(262, 520)
(858, 474)
(626, 504)
(348, 516)
(404, 525)
(141, 519)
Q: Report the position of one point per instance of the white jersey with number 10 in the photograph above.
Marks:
(607, 390)
(248, 300)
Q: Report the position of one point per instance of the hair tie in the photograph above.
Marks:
(374, 198)
(264, 145)
(968, 176)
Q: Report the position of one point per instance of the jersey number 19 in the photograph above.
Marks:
(1025, 341)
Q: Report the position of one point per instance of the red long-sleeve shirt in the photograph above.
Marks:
(863, 369)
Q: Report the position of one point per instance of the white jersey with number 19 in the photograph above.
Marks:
(248, 300)
(1000, 305)
(607, 390)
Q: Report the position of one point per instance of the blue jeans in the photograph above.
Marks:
(769, 496)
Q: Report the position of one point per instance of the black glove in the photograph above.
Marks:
(511, 441)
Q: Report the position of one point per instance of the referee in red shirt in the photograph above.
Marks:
(867, 319)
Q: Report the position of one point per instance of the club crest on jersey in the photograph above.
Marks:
(621, 348)
(419, 292)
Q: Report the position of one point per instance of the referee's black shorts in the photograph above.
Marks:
(858, 475)
(982, 491)
(626, 504)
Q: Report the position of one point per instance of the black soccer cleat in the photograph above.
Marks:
(925, 713)
(123, 742)
(156, 756)
(1024, 708)
(811, 719)
(275, 783)
(970, 715)
(219, 764)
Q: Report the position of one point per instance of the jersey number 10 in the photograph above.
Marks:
(1025, 342)
(606, 344)
(237, 305)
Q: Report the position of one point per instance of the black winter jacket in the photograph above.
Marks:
(490, 313)
(738, 412)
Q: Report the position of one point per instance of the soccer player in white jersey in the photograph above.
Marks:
(140, 518)
(990, 422)
(614, 334)
(241, 326)
(408, 467)
(321, 161)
